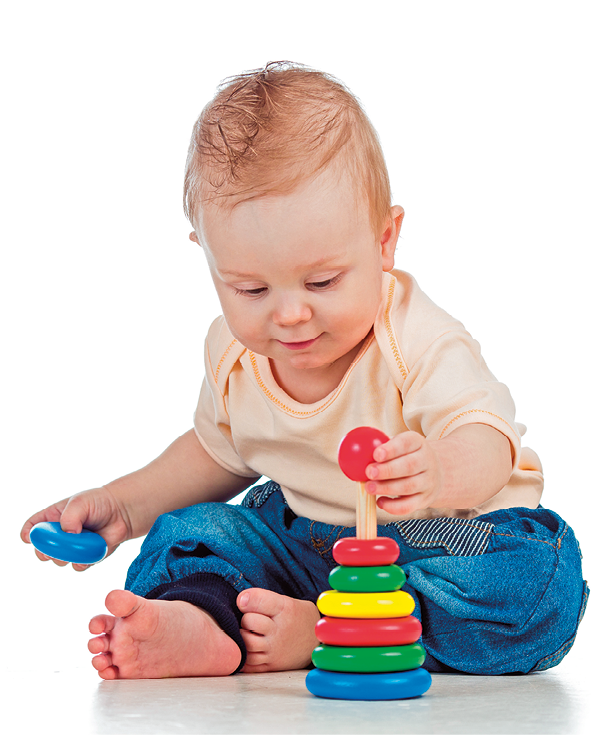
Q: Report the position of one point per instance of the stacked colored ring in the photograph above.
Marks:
(372, 687)
(369, 638)
(355, 552)
(367, 579)
(366, 632)
(368, 659)
(395, 604)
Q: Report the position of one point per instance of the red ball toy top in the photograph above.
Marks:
(357, 449)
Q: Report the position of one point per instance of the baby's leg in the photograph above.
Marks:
(501, 593)
(154, 639)
(278, 631)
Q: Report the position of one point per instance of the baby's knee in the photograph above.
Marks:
(514, 610)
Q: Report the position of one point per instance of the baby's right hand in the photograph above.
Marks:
(96, 510)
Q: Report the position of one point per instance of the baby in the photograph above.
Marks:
(288, 194)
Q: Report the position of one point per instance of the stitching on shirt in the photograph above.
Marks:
(391, 333)
(315, 411)
(221, 362)
(474, 410)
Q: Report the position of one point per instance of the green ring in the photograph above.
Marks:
(368, 659)
(367, 579)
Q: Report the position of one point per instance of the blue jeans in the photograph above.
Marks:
(497, 594)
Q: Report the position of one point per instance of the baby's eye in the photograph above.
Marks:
(322, 285)
(250, 291)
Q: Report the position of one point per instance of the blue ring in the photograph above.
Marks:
(370, 687)
(86, 547)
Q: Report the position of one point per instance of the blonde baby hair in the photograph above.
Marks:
(268, 130)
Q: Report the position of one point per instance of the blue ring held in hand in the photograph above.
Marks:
(86, 547)
(369, 687)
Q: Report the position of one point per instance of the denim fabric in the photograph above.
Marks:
(502, 593)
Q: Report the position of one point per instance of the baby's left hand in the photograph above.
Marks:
(406, 467)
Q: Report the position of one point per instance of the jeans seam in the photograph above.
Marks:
(554, 573)
(568, 644)
(319, 545)
(527, 538)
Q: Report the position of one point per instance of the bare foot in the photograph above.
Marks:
(278, 631)
(154, 639)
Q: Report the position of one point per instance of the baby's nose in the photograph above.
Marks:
(291, 311)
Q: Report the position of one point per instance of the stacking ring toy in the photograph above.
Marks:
(365, 604)
(367, 579)
(368, 687)
(368, 659)
(86, 547)
(369, 552)
(357, 449)
(381, 632)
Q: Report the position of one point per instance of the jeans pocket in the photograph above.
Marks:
(555, 658)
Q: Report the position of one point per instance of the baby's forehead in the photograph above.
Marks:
(332, 189)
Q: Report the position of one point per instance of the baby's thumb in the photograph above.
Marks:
(74, 515)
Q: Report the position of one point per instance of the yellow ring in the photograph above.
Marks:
(365, 604)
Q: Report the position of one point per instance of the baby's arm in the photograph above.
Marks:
(184, 474)
(462, 470)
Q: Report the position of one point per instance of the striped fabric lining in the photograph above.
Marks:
(257, 495)
(460, 536)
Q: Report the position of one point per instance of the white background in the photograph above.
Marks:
(489, 115)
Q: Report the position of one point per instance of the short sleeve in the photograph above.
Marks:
(450, 386)
(438, 367)
(211, 418)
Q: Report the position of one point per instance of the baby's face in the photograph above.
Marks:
(299, 276)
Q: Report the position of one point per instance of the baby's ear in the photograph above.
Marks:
(194, 238)
(388, 241)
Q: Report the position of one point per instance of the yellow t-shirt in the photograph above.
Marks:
(419, 370)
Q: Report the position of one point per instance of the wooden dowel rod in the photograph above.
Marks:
(365, 513)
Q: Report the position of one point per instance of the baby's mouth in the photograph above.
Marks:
(299, 345)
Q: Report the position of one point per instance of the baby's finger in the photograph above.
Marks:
(398, 446)
(398, 487)
(48, 514)
(409, 465)
(401, 505)
(43, 557)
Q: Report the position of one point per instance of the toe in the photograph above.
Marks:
(256, 623)
(256, 600)
(102, 662)
(256, 659)
(101, 624)
(255, 669)
(98, 645)
(254, 643)
(122, 603)
(110, 673)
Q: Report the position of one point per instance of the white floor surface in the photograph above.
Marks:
(72, 700)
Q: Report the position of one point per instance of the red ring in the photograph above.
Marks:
(368, 632)
(372, 552)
